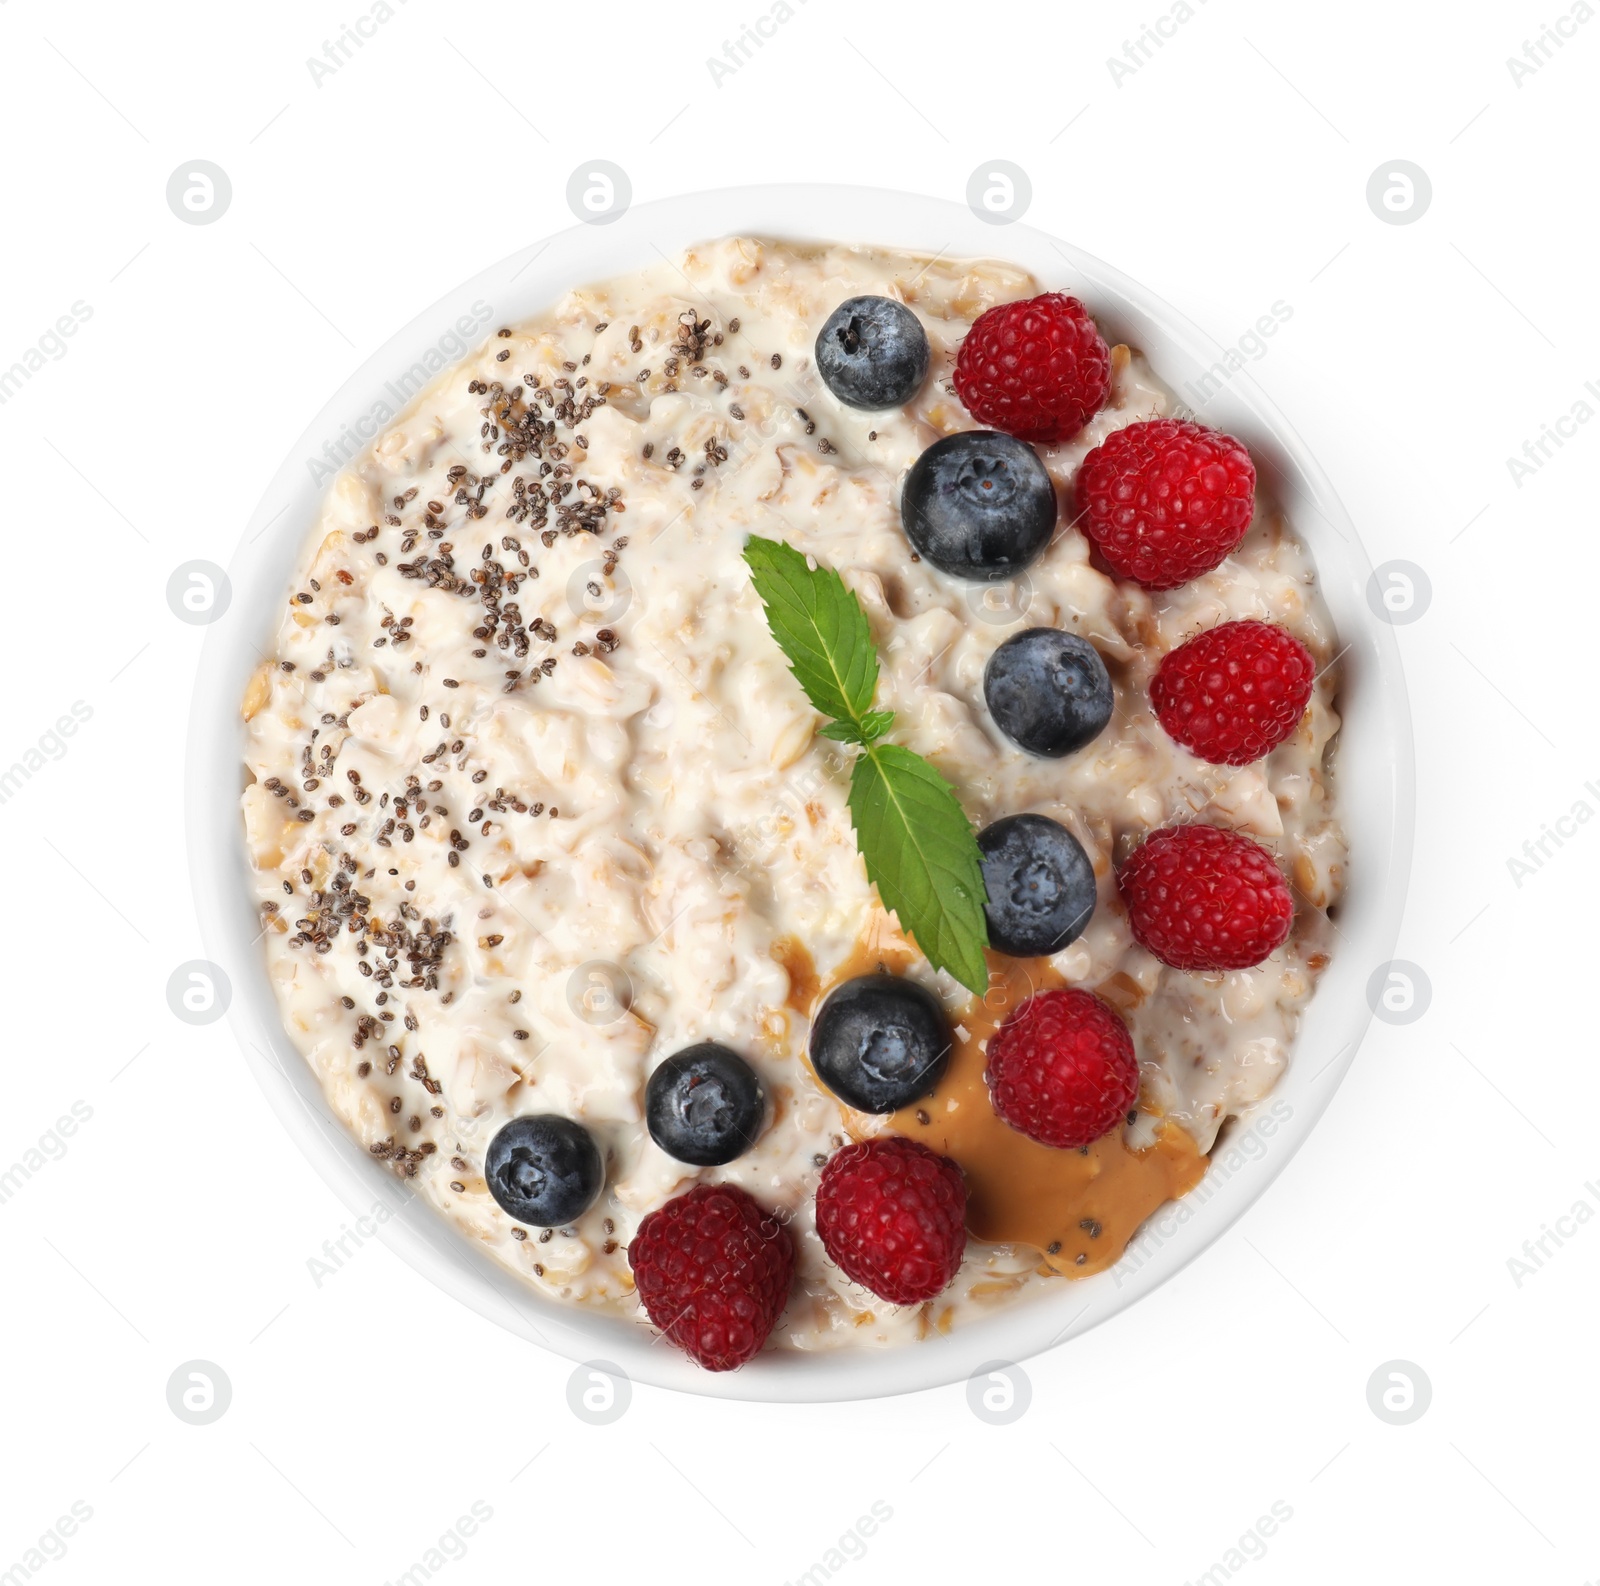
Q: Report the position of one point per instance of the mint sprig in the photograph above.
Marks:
(916, 840)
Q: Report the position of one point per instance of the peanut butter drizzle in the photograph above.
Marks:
(880, 947)
(1078, 1208)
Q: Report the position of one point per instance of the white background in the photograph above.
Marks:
(1229, 171)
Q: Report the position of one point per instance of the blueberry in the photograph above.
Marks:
(1040, 883)
(544, 1170)
(979, 504)
(880, 1042)
(873, 353)
(1048, 691)
(705, 1105)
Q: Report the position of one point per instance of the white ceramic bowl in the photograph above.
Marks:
(1374, 766)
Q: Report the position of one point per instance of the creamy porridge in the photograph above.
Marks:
(535, 801)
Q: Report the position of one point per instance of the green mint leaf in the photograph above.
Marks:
(868, 730)
(916, 840)
(875, 724)
(921, 855)
(819, 626)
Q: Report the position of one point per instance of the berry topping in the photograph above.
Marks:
(873, 353)
(713, 1272)
(979, 505)
(544, 1170)
(880, 1042)
(1048, 691)
(893, 1215)
(704, 1105)
(1164, 500)
(1234, 693)
(1202, 898)
(1061, 1069)
(1038, 369)
(1040, 884)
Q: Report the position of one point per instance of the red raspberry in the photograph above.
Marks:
(713, 1272)
(1234, 693)
(1164, 500)
(1061, 1069)
(1202, 898)
(893, 1215)
(1038, 369)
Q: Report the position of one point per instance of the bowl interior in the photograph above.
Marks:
(1374, 766)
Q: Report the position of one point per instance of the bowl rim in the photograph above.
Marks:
(1374, 764)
